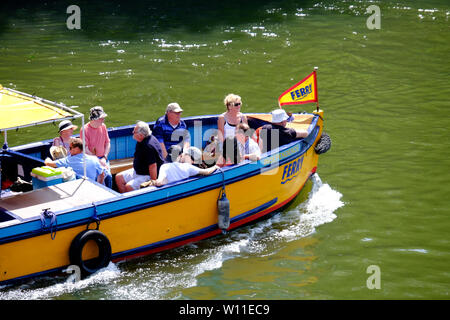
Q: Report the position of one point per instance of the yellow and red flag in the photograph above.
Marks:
(304, 91)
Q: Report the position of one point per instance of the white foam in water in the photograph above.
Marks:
(322, 203)
(27, 292)
(167, 275)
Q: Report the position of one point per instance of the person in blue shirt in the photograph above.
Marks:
(172, 132)
(94, 169)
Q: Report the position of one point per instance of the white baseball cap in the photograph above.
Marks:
(173, 107)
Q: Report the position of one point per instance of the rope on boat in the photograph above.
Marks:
(94, 218)
(45, 215)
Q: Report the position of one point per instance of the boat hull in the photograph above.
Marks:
(142, 222)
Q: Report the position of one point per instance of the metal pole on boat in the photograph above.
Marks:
(317, 102)
(5, 146)
(84, 147)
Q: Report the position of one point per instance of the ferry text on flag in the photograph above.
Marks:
(304, 91)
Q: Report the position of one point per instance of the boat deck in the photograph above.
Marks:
(59, 197)
(300, 122)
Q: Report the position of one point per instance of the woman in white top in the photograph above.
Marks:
(228, 120)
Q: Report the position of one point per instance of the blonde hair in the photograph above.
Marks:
(231, 98)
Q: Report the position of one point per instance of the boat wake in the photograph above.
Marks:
(166, 275)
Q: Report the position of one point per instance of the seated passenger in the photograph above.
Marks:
(230, 153)
(66, 129)
(212, 151)
(172, 132)
(276, 134)
(248, 148)
(187, 165)
(227, 121)
(147, 161)
(94, 169)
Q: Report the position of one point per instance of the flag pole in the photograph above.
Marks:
(317, 102)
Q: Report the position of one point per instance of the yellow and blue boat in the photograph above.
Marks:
(84, 224)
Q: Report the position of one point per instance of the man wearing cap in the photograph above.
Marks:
(147, 160)
(172, 132)
(97, 139)
(186, 166)
(276, 134)
(66, 129)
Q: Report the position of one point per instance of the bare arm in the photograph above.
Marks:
(107, 149)
(164, 151)
(207, 171)
(220, 161)
(220, 126)
(86, 149)
(301, 133)
(101, 177)
(159, 182)
(252, 157)
(153, 171)
(49, 162)
(186, 145)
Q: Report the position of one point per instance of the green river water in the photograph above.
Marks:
(381, 197)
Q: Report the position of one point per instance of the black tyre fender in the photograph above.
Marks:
(76, 249)
(324, 144)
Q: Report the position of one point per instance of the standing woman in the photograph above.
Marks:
(97, 140)
(97, 137)
(228, 120)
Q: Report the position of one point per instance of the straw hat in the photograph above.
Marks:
(58, 152)
(65, 125)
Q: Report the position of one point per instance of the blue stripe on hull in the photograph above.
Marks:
(193, 234)
(142, 249)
